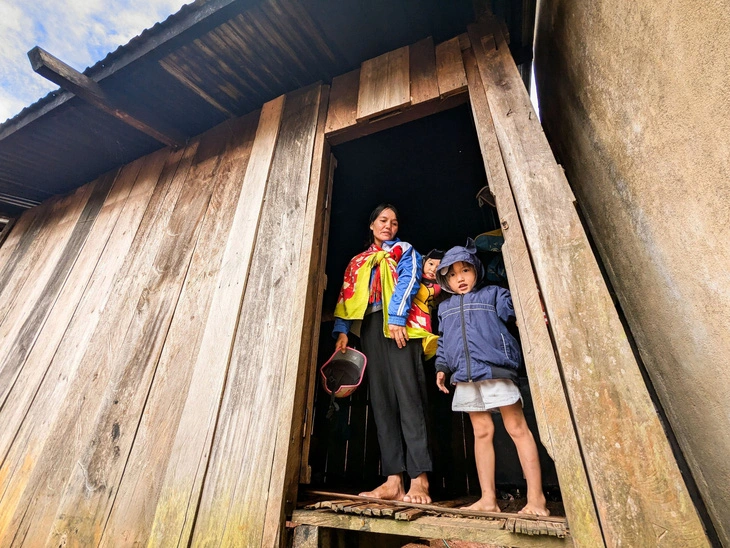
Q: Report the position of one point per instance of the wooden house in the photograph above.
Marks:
(179, 214)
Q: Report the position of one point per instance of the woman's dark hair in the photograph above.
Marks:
(376, 213)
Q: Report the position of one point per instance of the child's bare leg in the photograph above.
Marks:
(392, 489)
(483, 426)
(516, 425)
(418, 491)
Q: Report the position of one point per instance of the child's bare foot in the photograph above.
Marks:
(392, 489)
(536, 508)
(418, 492)
(484, 505)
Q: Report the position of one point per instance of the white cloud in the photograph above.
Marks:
(79, 32)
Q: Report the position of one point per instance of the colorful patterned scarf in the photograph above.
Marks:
(357, 293)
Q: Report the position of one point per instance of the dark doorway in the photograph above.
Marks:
(431, 170)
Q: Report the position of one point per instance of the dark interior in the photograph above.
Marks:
(431, 170)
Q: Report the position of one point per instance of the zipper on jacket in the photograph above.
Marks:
(463, 336)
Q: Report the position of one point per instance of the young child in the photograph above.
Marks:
(429, 291)
(482, 357)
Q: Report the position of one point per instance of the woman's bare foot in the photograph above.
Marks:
(536, 508)
(418, 492)
(392, 489)
(484, 504)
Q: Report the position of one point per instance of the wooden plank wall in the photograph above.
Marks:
(150, 341)
(397, 87)
(639, 494)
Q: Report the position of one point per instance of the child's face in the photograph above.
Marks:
(429, 269)
(461, 277)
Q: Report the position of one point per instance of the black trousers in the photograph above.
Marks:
(397, 398)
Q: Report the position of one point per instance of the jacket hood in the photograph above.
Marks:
(466, 254)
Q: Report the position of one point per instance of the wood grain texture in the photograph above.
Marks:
(284, 483)
(639, 492)
(233, 504)
(104, 446)
(30, 458)
(342, 112)
(36, 256)
(552, 412)
(17, 351)
(450, 68)
(40, 357)
(491, 532)
(185, 471)
(132, 515)
(320, 283)
(424, 83)
(384, 84)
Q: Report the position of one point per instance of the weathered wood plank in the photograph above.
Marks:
(16, 353)
(90, 91)
(133, 512)
(550, 402)
(13, 234)
(384, 84)
(233, 503)
(305, 472)
(60, 384)
(41, 355)
(640, 495)
(304, 329)
(490, 532)
(450, 68)
(184, 474)
(104, 447)
(66, 438)
(5, 233)
(34, 255)
(424, 82)
(342, 112)
(306, 536)
(26, 301)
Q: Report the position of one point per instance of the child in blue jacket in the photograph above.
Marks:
(482, 357)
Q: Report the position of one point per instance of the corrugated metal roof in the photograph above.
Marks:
(209, 61)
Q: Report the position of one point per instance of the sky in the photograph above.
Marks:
(78, 32)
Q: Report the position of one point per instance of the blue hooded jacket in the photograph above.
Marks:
(475, 344)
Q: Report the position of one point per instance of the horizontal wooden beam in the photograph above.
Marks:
(90, 91)
(182, 28)
(472, 530)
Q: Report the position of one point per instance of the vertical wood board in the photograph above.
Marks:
(550, 403)
(133, 512)
(384, 84)
(40, 356)
(234, 499)
(284, 483)
(57, 442)
(424, 83)
(320, 282)
(640, 496)
(101, 455)
(342, 111)
(17, 351)
(450, 67)
(185, 472)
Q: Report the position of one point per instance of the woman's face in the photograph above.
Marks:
(384, 227)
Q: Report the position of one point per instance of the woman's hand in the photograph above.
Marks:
(341, 343)
(398, 334)
(441, 382)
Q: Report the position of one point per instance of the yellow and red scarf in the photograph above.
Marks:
(357, 293)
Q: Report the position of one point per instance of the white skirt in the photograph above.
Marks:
(488, 395)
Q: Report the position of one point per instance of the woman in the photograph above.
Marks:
(378, 289)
